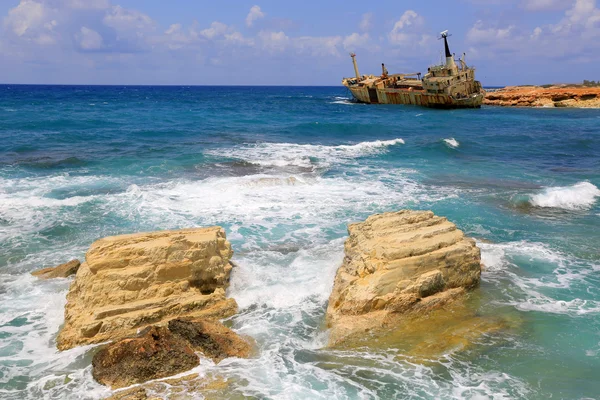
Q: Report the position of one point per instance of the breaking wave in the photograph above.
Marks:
(579, 196)
(305, 155)
(451, 142)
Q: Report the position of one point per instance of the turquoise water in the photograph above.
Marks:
(284, 170)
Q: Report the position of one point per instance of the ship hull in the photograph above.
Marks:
(365, 94)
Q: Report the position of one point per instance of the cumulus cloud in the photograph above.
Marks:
(216, 29)
(409, 31)
(356, 40)
(273, 41)
(573, 34)
(89, 39)
(254, 15)
(27, 16)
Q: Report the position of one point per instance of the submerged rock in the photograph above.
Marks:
(62, 271)
(129, 282)
(155, 353)
(399, 265)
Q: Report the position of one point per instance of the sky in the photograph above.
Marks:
(284, 42)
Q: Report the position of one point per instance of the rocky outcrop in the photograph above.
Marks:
(62, 271)
(162, 351)
(536, 96)
(133, 281)
(212, 339)
(156, 353)
(396, 265)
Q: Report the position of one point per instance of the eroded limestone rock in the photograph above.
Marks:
(399, 264)
(129, 282)
(61, 271)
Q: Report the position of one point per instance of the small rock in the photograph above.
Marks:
(155, 353)
(61, 271)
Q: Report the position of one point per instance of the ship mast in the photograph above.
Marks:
(353, 55)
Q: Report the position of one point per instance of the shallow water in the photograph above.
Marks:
(284, 170)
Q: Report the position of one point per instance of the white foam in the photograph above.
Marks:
(579, 196)
(302, 155)
(451, 142)
(540, 292)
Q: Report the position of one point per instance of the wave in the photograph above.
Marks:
(553, 283)
(305, 155)
(451, 142)
(579, 196)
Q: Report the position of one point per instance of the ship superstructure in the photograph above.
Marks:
(443, 86)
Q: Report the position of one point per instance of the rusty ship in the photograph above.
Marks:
(449, 85)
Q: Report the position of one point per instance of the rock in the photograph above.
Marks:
(133, 281)
(536, 96)
(155, 353)
(213, 339)
(61, 271)
(397, 265)
(187, 387)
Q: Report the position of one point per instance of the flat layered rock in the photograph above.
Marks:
(537, 96)
(399, 264)
(129, 282)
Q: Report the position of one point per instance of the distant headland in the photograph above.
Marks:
(584, 95)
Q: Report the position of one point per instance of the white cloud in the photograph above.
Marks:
(481, 34)
(409, 31)
(216, 29)
(571, 37)
(356, 40)
(273, 41)
(366, 23)
(318, 46)
(27, 15)
(238, 38)
(123, 20)
(89, 39)
(254, 15)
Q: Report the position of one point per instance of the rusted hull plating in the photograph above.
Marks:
(417, 98)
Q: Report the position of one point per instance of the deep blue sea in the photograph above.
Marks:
(284, 170)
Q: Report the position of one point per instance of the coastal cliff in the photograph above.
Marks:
(399, 264)
(537, 96)
(130, 282)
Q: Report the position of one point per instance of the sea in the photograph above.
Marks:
(284, 170)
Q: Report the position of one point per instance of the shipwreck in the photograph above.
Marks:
(449, 85)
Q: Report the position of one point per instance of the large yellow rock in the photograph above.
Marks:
(129, 282)
(398, 264)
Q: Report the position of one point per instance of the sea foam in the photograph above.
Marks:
(579, 196)
(451, 142)
(305, 155)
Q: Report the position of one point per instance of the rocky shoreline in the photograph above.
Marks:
(549, 97)
(158, 298)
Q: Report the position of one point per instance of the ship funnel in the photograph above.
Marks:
(353, 55)
(449, 58)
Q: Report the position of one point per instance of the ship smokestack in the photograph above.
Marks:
(449, 57)
(353, 55)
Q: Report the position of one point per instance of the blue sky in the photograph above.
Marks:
(278, 42)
